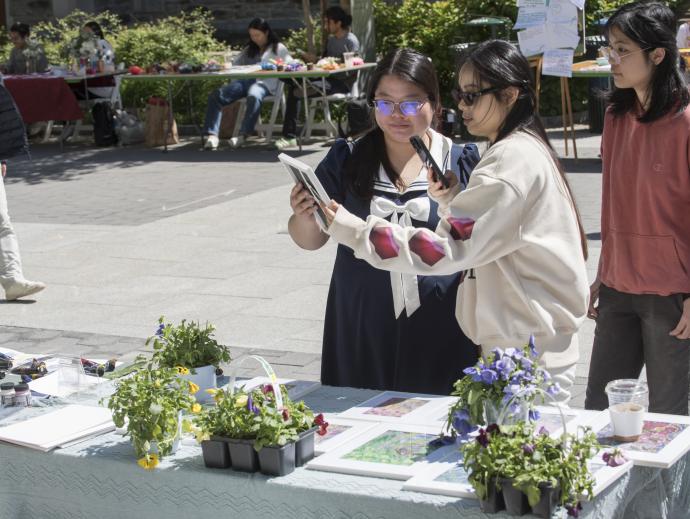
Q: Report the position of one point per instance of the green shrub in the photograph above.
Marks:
(432, 27)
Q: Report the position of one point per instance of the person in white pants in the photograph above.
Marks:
(11, 276)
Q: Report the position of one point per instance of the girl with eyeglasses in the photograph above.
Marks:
(515, 227)
(387, 330)
(643, 280)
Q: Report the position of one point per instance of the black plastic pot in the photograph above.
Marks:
(244, 457)
(515, 499)
(304, 447)
(216, 453)
(494, 499)
(277, 461)
(548, 502)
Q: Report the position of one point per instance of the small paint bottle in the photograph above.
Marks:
(7, 394)
(22, 395)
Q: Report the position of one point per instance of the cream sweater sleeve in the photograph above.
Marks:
(483, 225)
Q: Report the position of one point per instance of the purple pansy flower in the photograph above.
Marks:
(614, 458)
(251, 406)
(528, 449)
(488, 376)
(534, 415)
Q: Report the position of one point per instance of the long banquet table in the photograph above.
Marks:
(100, 478)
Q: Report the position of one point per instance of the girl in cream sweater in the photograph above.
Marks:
(515, 229)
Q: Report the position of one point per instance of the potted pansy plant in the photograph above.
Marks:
(192, 350)
(502, 387)
(227, 431)
(257, 432)
(279, 431)
(533, 471)
(150, 404)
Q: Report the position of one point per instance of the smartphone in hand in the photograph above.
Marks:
(428, 160)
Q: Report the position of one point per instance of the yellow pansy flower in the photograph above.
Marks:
(241, 401)
(182, 370)
(193, 388)
(211, 391)
(196, 408)
(148, 462)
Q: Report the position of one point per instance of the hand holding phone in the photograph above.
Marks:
(428, 160)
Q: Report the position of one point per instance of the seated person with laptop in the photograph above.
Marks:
(337, 22)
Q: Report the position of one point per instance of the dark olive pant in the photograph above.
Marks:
(633, 331)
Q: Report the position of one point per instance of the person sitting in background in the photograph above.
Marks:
(337, 22)
(101, 87)
(263, 45)
(107, 52)
(17, 64)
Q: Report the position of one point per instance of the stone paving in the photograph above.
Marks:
(124, 235)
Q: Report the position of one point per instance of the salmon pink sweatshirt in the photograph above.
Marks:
(645, 212)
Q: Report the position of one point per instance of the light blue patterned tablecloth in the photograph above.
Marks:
(99, 478)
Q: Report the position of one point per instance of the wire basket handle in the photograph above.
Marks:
(269, 372)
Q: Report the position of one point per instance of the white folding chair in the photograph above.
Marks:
(266, 129)
(328, 126)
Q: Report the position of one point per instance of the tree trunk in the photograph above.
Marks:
(345, 4)
(307, 23)
(324, 32)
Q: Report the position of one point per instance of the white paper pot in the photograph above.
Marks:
(205, 378)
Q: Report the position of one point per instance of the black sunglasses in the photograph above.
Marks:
(470, 97)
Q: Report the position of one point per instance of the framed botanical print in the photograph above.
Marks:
(398, 407)
(339, 432)
(394, 451)
(665, 438)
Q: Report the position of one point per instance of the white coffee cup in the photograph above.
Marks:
(628, 420)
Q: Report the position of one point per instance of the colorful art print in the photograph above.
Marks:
(446, 477)
(664, 440)
(655, 436)
(332, 431)
(456, 474)
(396, 448)
(339, 432)
(394, 451)
(397, 407)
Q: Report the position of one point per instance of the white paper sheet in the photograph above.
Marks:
(562, 11)
(60, 427)
(530, 17)
(558, 62)
(533, 40)
(561, 36)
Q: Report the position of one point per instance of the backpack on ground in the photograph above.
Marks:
(358, 116)
(103, 125)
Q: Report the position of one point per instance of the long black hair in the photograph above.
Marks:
(500, 65)
(651, 26)
(369, 152)
(96, 29)
(262, 25)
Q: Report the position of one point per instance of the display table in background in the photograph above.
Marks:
(100, 478)
(43, 98)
